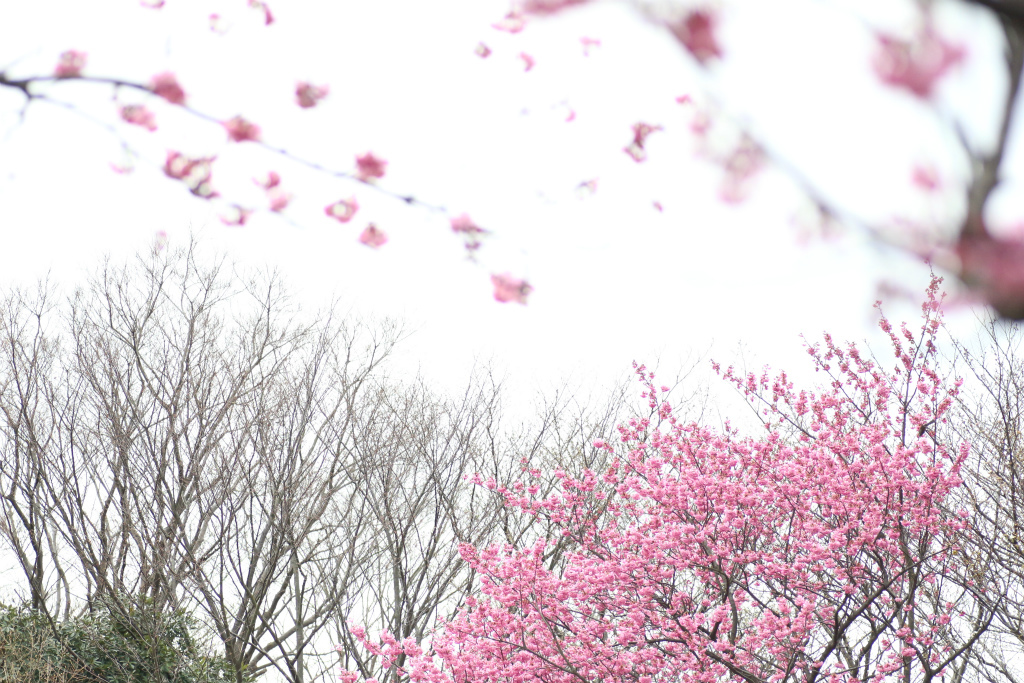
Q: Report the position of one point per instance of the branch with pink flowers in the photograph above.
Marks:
(196, 173)
(992, 267)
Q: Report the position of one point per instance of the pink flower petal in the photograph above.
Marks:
(241, 130)
(307, 95)
(343, 210)
(373, 237)
(508, 288)
(368, 166)
(696, 32)
(70, 64)
(166, 86)
(138, 115)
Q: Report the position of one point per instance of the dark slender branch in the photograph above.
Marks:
(986, 166)
(24, 85)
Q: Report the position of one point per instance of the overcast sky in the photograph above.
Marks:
(615, 279)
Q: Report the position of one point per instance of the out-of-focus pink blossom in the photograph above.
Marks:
(696, 31)
(373, 236)
(152, 4)
(528, 61)
(916, 66)
(268, 18)
(508, 288)
(241, 130)
(636, 149)
(740, 166)
(70, 64)
(586, 188)
(160, 240)
(368, 166)
(926, 178)
(238, 216)
(343, 210)
(278, 199)
(994, 268)
(684, 99)
(464, 224)
(589, 43)
(138, 115)
(166, 86)
(196, 173)
(307, 94)
(571, 116)
(470, 231)
(549, 6)
(512, 23)
(658, 207)
(218, 25)
(482, 51)
(700, 124)
(273, 180)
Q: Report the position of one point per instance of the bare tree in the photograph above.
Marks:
(176, 436)
(990, 416)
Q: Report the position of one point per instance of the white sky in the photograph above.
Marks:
(615, 279)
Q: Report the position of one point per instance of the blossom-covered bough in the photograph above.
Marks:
(987, 261)
(822, 549)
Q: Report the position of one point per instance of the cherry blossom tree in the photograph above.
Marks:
(987, 260)
(819, 549)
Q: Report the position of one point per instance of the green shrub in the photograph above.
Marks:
(114, 644)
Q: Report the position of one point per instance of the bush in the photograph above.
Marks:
(111, 645)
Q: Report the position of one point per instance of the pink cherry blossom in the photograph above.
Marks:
(343, 210)
(238, 216)
(636, 149)
(586, 188)
(528, 61)
(464, 224)
(549, 6)
(368, 167)
(166, 86)
(70, 64)
(217, 24)
(696, 31)
(994, 268)
(373, 237)
(926, 178)
(482, 51)
(915, 65)
(508, 288)
(153, 4)
(196, 173)
(278, 199)
(740, 165)
(307, 95)
(241, 130)
(702, 555)
(268, 18)
(589, 43)
(471, 232)
(273, 180)
(513, 22)
(684, 99)
(138, 115)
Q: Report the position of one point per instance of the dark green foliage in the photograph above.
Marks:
(114, 644)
